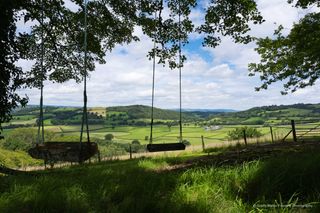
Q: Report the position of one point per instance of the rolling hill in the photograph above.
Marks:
(144, 112)
(129, 115)
(270, 115)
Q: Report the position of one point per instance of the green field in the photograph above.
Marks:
(161, 134)
(21, 122)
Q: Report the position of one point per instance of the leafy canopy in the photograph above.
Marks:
(293, 58)
(229, 18)
(109, 23)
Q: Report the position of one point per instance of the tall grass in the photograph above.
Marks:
(153, 185)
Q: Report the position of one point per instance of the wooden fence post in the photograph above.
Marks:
(99, 156)
(130, 152)
(271, 134)
(203, 146)
(245, 137)
(294, 131)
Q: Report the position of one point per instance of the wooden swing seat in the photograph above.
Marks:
(165, 147)
(64, 151)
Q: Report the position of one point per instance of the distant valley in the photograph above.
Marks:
(139, 115)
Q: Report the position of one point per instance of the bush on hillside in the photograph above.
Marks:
(135, 141)
(186, 142)
(111, 150)
(238, 133)
(23, 138)
(135, 148)
(109, 137)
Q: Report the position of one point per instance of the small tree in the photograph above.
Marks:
(237, 133)
(169, 124)
(186, 142)
(108, 137)
(135, 141)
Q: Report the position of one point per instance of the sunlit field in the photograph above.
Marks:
(162, 133)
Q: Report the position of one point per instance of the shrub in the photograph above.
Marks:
(135, 148)
(108, 149)
(238, 133)
(23, 138)
(108, 137)
(186, 142)
(135, 141)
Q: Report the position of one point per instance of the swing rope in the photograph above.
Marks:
(153, 82)
(64, 151)
(153, 77)
(85, 100)
(40, 137)
(180, 75)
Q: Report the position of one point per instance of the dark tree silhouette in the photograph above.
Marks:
(11, 76)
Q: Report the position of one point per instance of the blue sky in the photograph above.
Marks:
(212, 78)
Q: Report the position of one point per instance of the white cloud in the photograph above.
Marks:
(220, 71)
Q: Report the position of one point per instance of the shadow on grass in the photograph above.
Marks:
(142, 185)
(123, 186)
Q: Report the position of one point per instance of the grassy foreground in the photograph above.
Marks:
(156, 185)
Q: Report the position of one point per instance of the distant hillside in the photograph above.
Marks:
(270, 115)
(294, 110)
(53, 115)
(144, 112)
(207, 110)
(140, 115)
